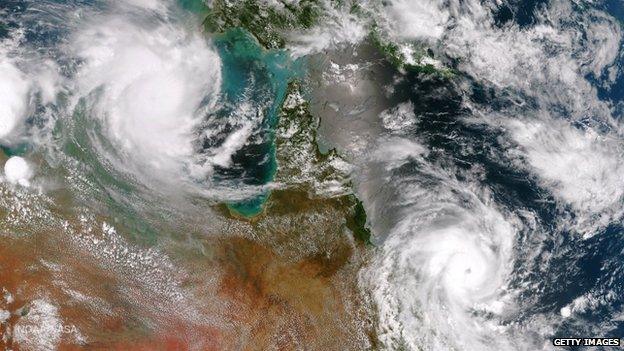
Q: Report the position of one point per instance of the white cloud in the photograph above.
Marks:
(147, 84)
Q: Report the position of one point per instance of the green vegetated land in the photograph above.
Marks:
(270, 23)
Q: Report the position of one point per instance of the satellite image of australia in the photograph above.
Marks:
(313, 175)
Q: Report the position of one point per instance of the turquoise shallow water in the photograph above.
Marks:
(253, 74)
(195, 6)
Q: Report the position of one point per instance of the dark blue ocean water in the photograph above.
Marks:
(566, 266)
